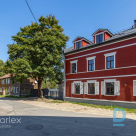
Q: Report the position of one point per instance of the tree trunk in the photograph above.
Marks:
(40, 93)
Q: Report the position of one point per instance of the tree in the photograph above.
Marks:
(2, 64)
(37, 52)
(50, 85)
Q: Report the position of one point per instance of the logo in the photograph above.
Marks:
(10, 120)
(120, 119)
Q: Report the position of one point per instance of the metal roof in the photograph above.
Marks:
(114, 37)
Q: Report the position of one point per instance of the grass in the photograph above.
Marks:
(98, 106)
(57, 101)
(9, 96)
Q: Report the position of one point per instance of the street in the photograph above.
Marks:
(36, 121)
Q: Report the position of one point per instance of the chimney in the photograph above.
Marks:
(134, 23)
(134, 26)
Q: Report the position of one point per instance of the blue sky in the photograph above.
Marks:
(77, 17)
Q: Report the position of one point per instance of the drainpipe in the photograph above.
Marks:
(64, 91)
(19, 89)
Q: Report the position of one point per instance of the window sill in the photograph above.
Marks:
(109, 95)
(109, 68)
(91, 94)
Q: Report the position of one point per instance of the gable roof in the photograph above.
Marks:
(5, 76)
(82, 39)
(104, 30)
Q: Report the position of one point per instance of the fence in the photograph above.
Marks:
(48, 93)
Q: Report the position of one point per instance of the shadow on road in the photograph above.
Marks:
(65, 126)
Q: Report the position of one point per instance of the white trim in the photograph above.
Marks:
(103, 31)
(91, 81)
(103, 77)
(78, 41)
(101, 100)
(74, 61)
(91, 58)
(109, 80)
(102, 50)
(76, 81)
(102, 70)
(110, 54)
(99, 34)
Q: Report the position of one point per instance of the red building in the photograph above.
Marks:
(102, 71)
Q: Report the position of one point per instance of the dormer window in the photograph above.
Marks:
(78, 45)
(99, 38)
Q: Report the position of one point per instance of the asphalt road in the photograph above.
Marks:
(28, 120)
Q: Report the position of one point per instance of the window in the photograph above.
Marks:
(91, 88)
(73, 66)
(16, 89)
(91, 63)
(77, 88)
(99, 38)
(2, 81)
(8, 80)
(110, 60)
(110, 88)
(78, 45)
(0, 89)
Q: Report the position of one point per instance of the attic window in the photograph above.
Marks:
(78, 45)
(99, 38)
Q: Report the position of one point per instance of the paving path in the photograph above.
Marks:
(36, 121)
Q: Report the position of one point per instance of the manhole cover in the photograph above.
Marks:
(34, 127)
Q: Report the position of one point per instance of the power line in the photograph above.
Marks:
(30, 10)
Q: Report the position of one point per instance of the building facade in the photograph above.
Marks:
(16, 89)
(103, 69)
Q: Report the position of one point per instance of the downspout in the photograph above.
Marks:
(19, 89)
(64, 91)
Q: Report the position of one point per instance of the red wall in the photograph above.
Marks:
(106, 36)
(126, 92)
(124, 57)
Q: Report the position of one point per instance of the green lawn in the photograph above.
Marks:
(9, 96)
(98, 106)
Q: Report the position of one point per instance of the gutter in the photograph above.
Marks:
(99, 44)
(64, 91)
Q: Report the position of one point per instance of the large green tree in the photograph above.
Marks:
(37, 52)
(2, 64)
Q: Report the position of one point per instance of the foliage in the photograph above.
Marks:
(37, 52)
(2, 64)
(49, 85)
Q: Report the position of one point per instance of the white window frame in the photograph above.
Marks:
(97, 35)
(71, 62)
(108, 55)
(90, 81)
(109, 81)
(91, 58)
(78, 41)
(16, 89)
(77, 82)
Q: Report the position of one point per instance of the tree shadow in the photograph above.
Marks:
(67, 126)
